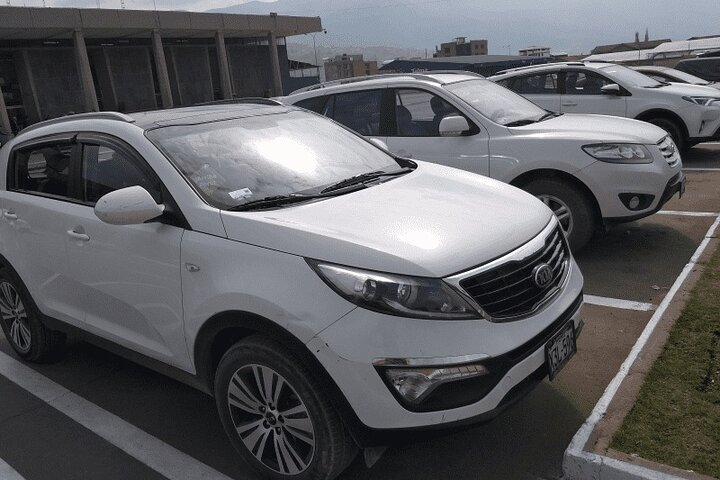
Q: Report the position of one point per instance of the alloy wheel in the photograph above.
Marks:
(561, 211)
(271, 420)
(15, 317)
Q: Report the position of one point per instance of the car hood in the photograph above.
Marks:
(432, 222)
(595, 128)
(683, 89)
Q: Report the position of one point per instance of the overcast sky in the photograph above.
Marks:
(574, 26)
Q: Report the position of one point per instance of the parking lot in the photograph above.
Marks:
(171, 428)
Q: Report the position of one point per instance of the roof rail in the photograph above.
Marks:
(537, 65)
(233, 101)
(117, 116)
(345, 81)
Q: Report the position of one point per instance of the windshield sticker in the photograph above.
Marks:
(240, 194)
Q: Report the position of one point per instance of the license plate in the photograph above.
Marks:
(560, 348)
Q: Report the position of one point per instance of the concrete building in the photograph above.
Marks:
(534, 52)
(54, 61)
(459, 47)
(347, 66)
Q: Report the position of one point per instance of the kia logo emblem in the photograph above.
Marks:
(542, 275)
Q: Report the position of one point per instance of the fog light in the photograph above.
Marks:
(634, 202)
(414, 384)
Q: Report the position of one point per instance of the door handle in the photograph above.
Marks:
(78, 235)
(10, 215)
(569, 104)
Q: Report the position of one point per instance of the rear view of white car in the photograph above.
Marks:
(591, 170)
(328, 295)
(689, 113)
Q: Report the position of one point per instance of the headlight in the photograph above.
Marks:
(619, 152)
(416, 297)
(704, 101)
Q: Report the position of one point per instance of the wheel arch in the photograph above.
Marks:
(224, 329)
(667, 115)
(547, 173)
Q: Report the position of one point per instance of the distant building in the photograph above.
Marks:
(667, 53)
(459, 47)
(534, 52)
(347, 66)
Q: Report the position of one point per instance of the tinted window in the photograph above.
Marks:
(542, 83)
(105, 170)
(585, 83)
(43, 169)
(232, 162)
(418, 113)
(359, 111)
(315, 104)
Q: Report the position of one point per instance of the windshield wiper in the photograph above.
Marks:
(520, 123)
(364, 177)
(273, 201)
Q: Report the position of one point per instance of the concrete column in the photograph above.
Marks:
(4, 119)
(86, 80)
(275, 66)
(162, 71)
(223, 67)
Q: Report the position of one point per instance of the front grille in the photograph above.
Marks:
(510, 290)
(669, 151)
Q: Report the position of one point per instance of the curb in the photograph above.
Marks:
(579, 464)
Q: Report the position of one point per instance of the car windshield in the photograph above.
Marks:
(497, 103)
(628, 76)
(237, 161)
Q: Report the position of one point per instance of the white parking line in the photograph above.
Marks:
(619, 303)
(688, 214)
(8, 473)
(701, 169)
(159, 456)
(578, 463)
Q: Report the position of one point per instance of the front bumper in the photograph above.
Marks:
(515, 350)
(675, 185)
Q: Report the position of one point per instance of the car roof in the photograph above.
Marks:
(441, 77)
(651, 68)
(193, 115)
(552, 66)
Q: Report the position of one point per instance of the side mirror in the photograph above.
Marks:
(453, 126)
(128, 206)
(380, 144)
(610, 89)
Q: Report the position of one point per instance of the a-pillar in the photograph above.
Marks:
(162, 71)
(275, 65)
(90, 101)
(223, 67)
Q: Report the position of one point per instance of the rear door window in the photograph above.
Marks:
(43, 169)
(359, 111)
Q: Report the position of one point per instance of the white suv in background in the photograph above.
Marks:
(328, 294)
(689, 113)
(589, 169)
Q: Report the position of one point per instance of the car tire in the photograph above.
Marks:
(571, 206)
(20, 320)
(256, 383)
(673, 130)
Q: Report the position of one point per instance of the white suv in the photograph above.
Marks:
(689, 113)
(590, 170)
(326, 293)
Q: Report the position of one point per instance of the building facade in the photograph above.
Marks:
(347, 66)
(56, 61)
(459, 47)
(534, 52)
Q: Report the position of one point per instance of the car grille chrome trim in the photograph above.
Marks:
(505, 290)
(668, 150)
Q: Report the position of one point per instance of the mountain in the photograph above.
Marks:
(508, 25)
